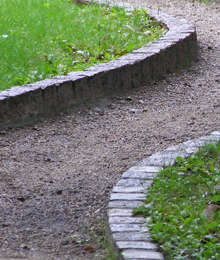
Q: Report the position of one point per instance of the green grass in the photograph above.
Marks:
(207, 2)
(43, 38)
(96, 242)
(102, 240)
(185, 207)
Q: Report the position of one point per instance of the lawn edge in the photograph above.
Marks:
(27, 104)
(129, 234)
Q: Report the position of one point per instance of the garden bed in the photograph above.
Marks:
(27, 104)
(56, 37)
(185, 207)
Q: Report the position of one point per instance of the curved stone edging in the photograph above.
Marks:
(177, 48)
(130, 234)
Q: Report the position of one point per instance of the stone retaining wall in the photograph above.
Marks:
(176, 49)
(130, 234)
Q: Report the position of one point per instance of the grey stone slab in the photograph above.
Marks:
(177, 37)
(128, 228)
(18, 90)
(170, 42)
(128, 196)
(123, 189)
(131, 236)
(126, 220)
(119, 212)
(216, 133)
(125, 204)
(163, 16)
(160, 44)
(134, 183)
(2, 97)
(142, 254)
(136, 245)
(139, 175)
(151, 49)
(163, 158)
(100, 68)
(174, 148)
(190, 143)
(116, 64)
(76, 75)
(191, 150)
(201, 142)
(134, 56)
(210, 138)
(183, 148)
(144, 50)
(151, 169)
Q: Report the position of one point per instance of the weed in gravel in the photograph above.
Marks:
(185, 207)
(102, 240)
(41, 39)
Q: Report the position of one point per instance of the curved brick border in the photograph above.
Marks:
(130, 234)
(176, 49)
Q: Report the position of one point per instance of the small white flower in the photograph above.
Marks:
(147, 33)
(83, 53)
(181, 173)
(75, 62)
(4, 36)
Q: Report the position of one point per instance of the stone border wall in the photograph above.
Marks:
(130, 234)
(27, 104)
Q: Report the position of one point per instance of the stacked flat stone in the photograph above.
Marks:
(130, 234)
(22, 105)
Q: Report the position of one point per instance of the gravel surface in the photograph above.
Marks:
(55, 177)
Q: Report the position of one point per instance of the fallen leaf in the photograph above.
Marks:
(89, 249)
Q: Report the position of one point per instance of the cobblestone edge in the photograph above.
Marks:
(130, 234)
(22, 105)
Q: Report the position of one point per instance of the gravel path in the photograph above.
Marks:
(55, 178)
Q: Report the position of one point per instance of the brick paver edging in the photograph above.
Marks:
(26, 104)
(130, 234)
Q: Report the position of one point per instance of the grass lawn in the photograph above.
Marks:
(43, 38)
(185, 207)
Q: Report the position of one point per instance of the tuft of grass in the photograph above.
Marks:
(99, 242)
(44, 38)
(207, 2)
(184, 207)
(103, 241)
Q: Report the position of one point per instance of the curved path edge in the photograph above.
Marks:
(22, 105)
(130, 234)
